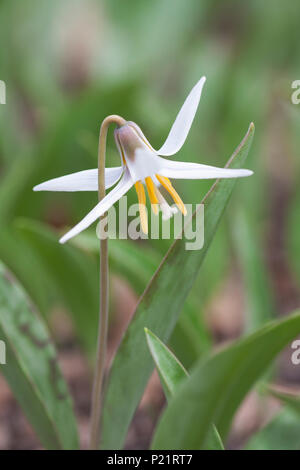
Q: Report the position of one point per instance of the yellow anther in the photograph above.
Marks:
(166, 183)
(142, 205)
(152, 194)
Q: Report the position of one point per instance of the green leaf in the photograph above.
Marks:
(172, 373)
(32, 370)
(158, 310)
(218, 385)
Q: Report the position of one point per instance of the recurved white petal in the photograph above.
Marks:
(183, 121)
(182, 170)
(86, 180)
(113, 196)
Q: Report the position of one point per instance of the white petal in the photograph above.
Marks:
(181, 170)
(145, 163)
(183, 121)
(86, 180)
(115, 194)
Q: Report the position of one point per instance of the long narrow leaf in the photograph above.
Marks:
(158, 310)
(172, 373)
(218, 385)
(170, 370)
(32, 369)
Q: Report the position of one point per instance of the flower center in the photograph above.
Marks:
(129, 140)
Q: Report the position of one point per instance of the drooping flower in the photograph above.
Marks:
(142, 166)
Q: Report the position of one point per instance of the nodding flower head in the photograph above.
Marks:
(144, 167)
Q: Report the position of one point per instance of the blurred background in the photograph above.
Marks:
(67, 64)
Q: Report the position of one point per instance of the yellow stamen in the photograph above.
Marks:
(166, 183)
(152, 194)
(142, 205)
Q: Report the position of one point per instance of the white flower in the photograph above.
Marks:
(143, 166)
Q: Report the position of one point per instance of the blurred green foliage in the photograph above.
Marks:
(68, 64)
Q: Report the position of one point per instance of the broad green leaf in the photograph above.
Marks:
(32, 369)
(218, 385)
(158, 310)
(172, 373)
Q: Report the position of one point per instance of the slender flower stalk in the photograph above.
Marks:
(103, 297)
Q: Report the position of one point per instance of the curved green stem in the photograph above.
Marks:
(103, 298)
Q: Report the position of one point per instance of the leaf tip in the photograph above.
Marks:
(148, 334)
(150, 337)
